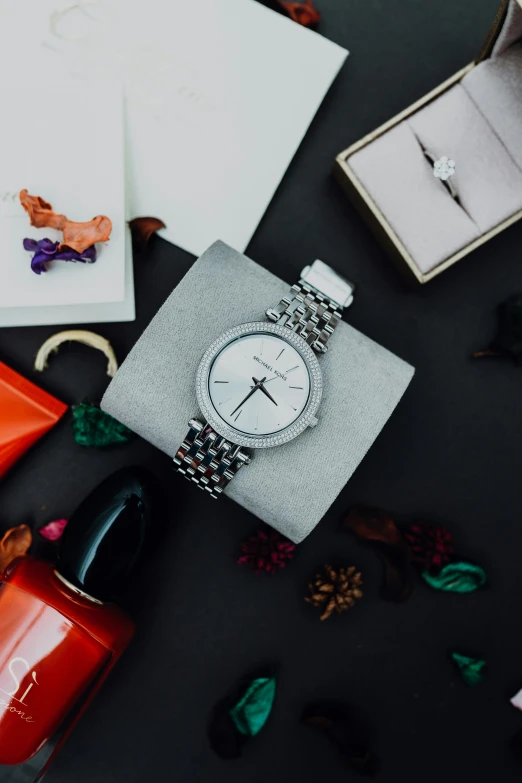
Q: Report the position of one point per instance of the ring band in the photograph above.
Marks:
(443, 169)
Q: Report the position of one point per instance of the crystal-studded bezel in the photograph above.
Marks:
(259, 441)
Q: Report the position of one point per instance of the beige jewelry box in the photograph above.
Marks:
(473, 118)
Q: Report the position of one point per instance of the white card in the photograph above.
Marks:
(65, 144)
(104, 312)
(219, 94)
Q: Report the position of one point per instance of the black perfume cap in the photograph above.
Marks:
(105, 536)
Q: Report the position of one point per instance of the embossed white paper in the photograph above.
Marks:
(219, 94)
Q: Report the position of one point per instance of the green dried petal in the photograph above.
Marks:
(472, 670)
(93, 427)
(459, 577)
(253, 710)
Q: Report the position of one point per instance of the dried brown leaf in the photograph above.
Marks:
(14, 543)
(142, 228)
(376, 528)
(348, 731)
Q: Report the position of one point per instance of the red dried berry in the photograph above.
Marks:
(266, 551)
(431, 545)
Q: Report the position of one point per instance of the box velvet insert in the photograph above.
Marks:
(473, 119)
(290, 486)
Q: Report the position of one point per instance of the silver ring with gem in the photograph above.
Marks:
(444, 169)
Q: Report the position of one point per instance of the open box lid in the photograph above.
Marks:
(506, 29)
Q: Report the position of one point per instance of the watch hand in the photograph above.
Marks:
(262, 388)
(250, 393)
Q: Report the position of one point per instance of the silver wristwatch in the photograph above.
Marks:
(260, 384)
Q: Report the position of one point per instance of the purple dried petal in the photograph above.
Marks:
(47, 250)
(38, 262)
(68, 254)
(90, 254)
(48, 246)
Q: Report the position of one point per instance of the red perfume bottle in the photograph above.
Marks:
(59, 634)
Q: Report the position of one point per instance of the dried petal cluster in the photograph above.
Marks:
(336, 590)
(431, 545)
(266, 551)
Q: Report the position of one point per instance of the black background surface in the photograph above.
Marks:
(451, 452)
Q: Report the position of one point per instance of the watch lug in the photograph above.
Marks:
(272, 314)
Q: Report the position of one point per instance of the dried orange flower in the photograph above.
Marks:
(78, 236)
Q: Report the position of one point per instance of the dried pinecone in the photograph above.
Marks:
(431, 545)
(266, 551)
(336, 590)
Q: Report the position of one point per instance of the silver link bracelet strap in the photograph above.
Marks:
(207, 459)
(312, 309)
(313, 306)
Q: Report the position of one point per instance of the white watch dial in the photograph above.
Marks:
(259, 384)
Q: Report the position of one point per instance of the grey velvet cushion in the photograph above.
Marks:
(291, 486)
